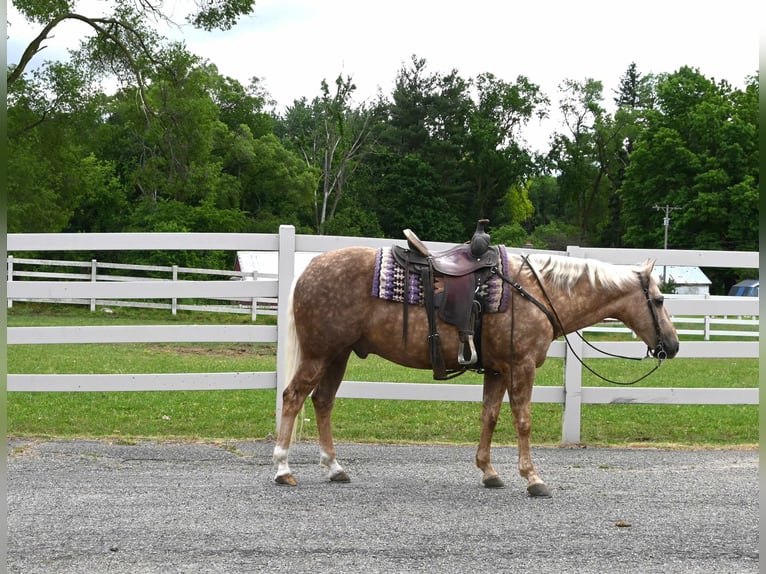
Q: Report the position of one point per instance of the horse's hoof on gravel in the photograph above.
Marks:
(340, 477)
(494, 482)
(539, 490)
(286, 480)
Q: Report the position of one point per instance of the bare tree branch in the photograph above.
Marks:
(100, 25)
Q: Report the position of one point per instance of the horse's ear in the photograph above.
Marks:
(648, 265)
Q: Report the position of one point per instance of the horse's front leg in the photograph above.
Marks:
(522, 379)
(494, 389)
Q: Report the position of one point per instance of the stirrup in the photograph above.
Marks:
(461, 355)
(416, 244)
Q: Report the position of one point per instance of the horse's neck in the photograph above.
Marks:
(583, 307)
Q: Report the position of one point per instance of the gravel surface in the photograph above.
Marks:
(99, 507)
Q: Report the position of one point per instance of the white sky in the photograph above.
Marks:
(294, 44)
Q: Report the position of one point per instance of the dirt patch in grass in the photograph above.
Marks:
(222, 350)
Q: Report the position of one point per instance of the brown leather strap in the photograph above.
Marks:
(434, 344)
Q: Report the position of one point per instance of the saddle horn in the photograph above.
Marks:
(480, 240)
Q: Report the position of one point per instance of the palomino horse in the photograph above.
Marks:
(333, 313)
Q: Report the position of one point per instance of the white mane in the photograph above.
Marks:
(564, 272)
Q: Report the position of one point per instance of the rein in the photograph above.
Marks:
(557, 324)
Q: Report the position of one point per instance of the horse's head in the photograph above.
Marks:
(649, 318)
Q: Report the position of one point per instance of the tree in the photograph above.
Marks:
(56, 116)
(415, 177)
(543, 193)
(634, 91)
(278, 186)
(464, 136)
(331, 136)
(121, 36)
(495, 154)
(699, 151)
(581, 156)
(52, 115)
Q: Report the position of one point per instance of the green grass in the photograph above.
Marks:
(238, 415)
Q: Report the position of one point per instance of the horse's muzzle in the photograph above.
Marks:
(665, 350)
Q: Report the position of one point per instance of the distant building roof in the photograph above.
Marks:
(268, 261)
(680, 275)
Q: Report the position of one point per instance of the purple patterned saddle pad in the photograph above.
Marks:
(388, 283)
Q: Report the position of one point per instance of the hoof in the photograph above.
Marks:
(286, 480)
(340, 477)
(493, 482)
(539, 490)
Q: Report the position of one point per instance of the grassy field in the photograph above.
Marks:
(235, 415)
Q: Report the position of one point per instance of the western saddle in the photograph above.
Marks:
(452, 281)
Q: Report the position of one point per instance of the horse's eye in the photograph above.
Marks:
(659, 301)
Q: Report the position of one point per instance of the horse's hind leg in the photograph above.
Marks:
(303, 382)
(323, 398)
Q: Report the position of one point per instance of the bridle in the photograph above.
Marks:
(658, 353)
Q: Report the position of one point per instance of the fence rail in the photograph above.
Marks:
(267, 305)
(253, 306)
(572, 394)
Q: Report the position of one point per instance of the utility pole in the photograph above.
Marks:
(666, 223)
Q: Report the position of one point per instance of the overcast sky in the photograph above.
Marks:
(293, 44)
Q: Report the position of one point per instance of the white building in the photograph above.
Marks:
(266, 263)
(687, 280)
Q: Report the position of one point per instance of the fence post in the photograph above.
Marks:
(571, 419)
(10, 277)
(93, 278)
(286, 271)
(174, 301)
(254, 301)
(707, 327)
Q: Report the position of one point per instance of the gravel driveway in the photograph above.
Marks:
(99, 507)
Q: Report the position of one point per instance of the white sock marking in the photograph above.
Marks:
(280, 460)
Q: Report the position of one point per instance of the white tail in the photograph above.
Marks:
(293, 355)
(292, 360)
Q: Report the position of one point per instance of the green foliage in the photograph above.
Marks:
(354, 222)
(103, 205)
(332, 138)
(555, 235)
(222, 14)
(515, 206)
(699, 153)
(543, 193)
(181, 147)
(513, 235)
(280, 185)
(42, 11)
(585, 157)
(407, 193)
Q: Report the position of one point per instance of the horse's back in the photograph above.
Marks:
(329, 274)
(332, 297)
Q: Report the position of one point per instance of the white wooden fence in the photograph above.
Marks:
(94, 271)
(572, 394)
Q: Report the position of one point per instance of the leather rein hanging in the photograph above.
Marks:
(660, 353)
